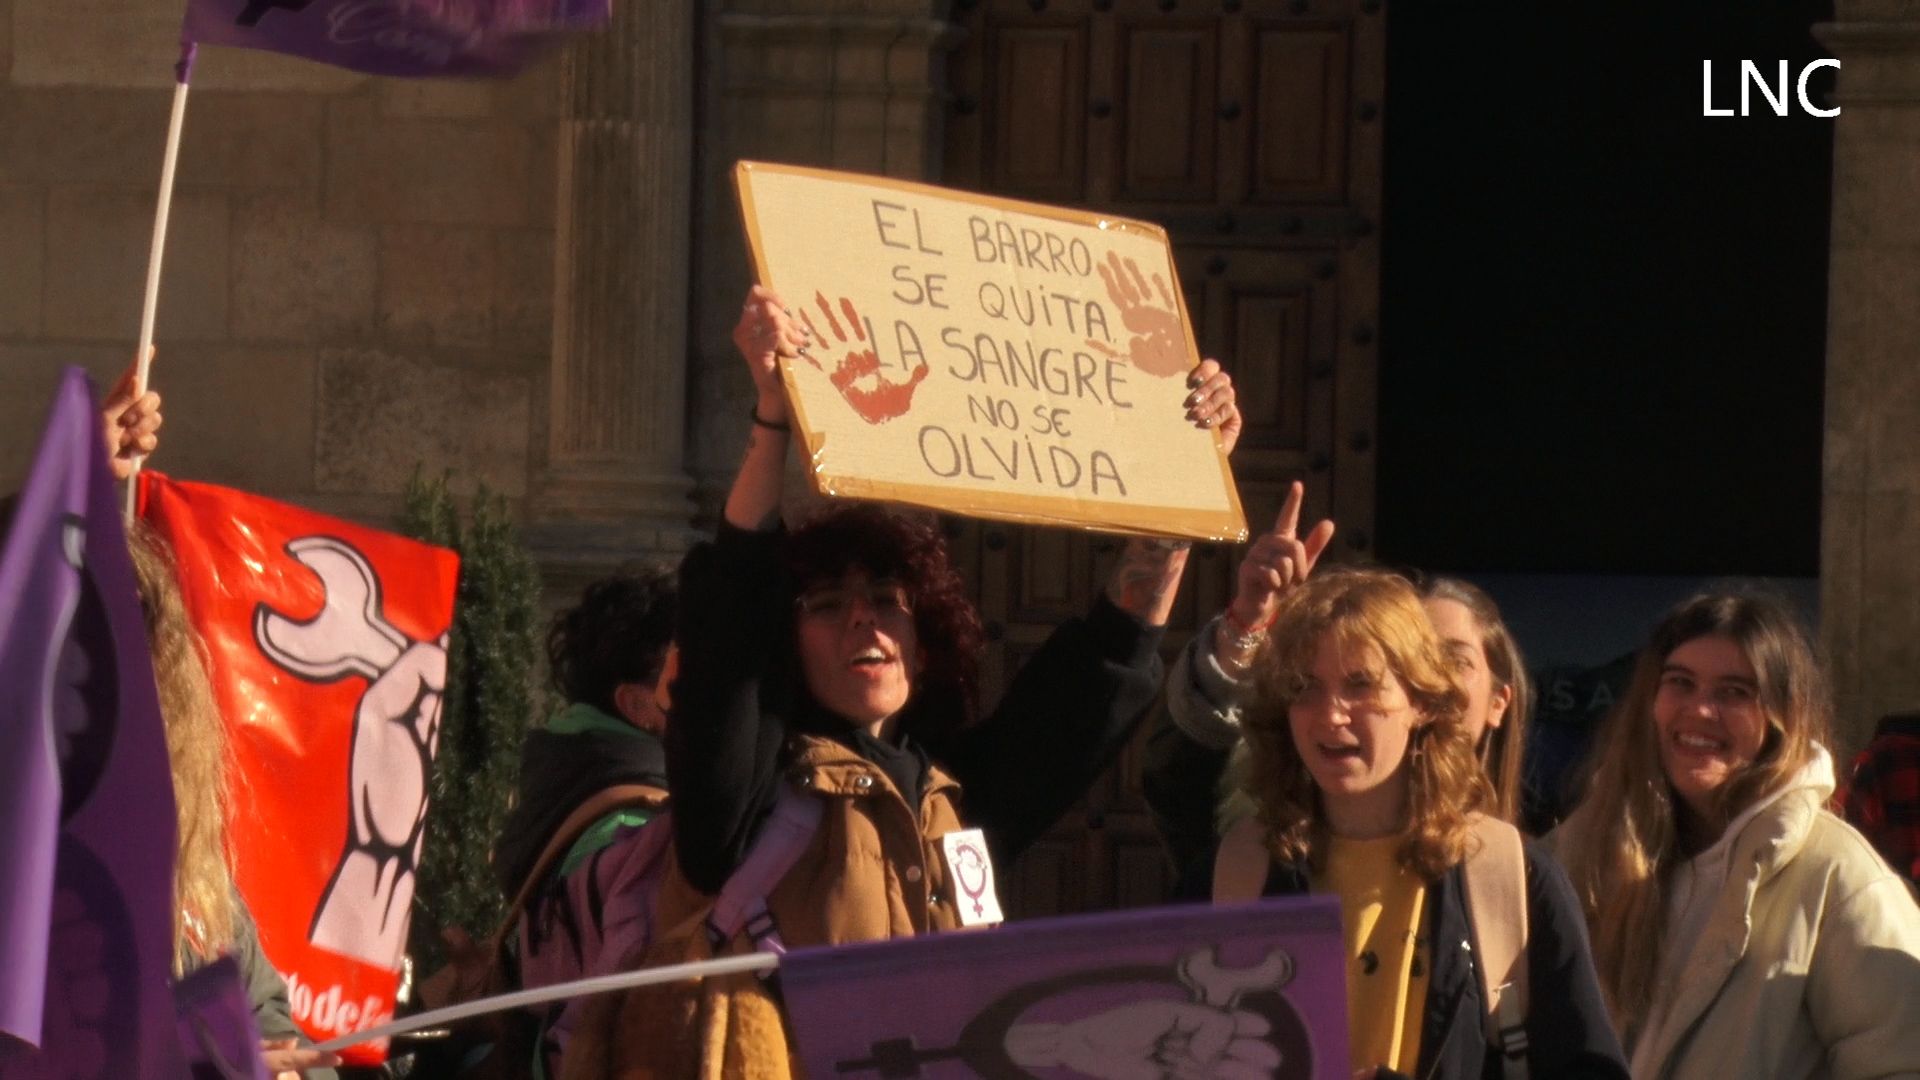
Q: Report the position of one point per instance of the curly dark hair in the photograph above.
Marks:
(617, 633)
(868, 537)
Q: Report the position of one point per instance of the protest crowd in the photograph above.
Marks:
(774, 746)
(775, 760)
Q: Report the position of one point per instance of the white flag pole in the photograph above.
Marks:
(182, 71)
(600, 984)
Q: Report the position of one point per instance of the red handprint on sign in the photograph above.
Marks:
(1159, 342)
(876, 398)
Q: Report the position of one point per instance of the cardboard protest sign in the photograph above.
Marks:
(1253, 990)
(986, 357)
(327, 645)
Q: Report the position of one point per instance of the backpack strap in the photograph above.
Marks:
(599, 805)
(1496, 881)
(742, 903)
(474, 969)
(1241, 863)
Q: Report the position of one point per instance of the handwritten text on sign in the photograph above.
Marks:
(989, 358)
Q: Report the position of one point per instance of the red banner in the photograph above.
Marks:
(327, 643)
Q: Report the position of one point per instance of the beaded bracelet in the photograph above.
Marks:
(754, 413)
(1246, 639)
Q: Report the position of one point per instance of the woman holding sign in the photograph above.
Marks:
(826, 677)
(1467, 954)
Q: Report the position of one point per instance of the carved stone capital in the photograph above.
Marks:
(1879, 60)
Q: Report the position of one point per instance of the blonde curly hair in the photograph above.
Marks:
(1376, 618)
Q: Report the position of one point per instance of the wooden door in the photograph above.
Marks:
(1251, 130)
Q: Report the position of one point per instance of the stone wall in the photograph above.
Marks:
(363, 273)
(360, 272)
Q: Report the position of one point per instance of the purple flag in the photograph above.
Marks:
(216, 1024)
(413, 38)
(86, 797)
(1253, 990)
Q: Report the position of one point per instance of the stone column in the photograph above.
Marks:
(1870, 502)
(615, 485)
(844, 84)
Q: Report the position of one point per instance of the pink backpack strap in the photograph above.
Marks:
(742, 903)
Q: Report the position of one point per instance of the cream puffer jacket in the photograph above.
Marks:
(1809, 965)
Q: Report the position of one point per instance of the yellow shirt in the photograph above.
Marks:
(1387, 958)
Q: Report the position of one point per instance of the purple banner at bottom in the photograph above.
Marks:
(217, 1033)
(1240, 992)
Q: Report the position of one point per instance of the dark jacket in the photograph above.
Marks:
(1180, 780)
(559, 770)
(738, 706)
(1568, 1031)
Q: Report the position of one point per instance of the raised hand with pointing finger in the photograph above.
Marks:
(1278, 560)
(1210, 688)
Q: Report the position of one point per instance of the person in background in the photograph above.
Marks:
(592, 780)
(1882, 796)
(605, 656)
(1494, 675)
(1740, 929)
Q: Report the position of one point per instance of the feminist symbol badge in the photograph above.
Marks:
(972, 873)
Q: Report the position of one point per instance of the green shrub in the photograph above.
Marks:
(491, 698)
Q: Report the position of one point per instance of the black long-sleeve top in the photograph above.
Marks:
(738, 696)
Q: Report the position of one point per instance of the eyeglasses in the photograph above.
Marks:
(1358, 693)
(834, 601)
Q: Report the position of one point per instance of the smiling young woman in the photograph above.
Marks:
(1739, 927)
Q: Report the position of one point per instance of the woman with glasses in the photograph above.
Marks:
(1740, 929)
(1361, 780)
(839, 662)
(1211, 684)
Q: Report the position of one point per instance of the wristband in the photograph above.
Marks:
(1242, 642)
(1247, 629)
(754, 413)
